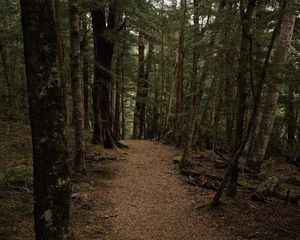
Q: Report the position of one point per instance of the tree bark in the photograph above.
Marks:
(60, 47)
(123, 91)
(162, 98)
(179, 74)
(195, 54)
(192, 123)
(257, 98)
(272, 95)
(103, 52)
(85, 72)
(291, 116)
(51, 180)
(7, 95)
(116, 127)
(246, 19)
(136, 134)
(148, 70)
(77, 87)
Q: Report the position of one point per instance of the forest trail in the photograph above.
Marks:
(149, 200)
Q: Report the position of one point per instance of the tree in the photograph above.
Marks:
(12, 73)
(85, 70)
(103, 53)
(140, 100)
(51, 182)
(272, 96)
(179, 70)
(77, 87)
(231, 170)
(246, 20)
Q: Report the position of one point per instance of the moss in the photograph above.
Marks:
(17, 238)
(17, 176)
(47, 216)
(4, 150)
(115, 236)
(99, 147)
(83, 185)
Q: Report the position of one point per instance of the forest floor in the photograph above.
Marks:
(135, 194)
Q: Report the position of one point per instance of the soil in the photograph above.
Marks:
(151, 202)
(139, 194)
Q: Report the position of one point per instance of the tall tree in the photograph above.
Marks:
(246, 21)
(162, 108)
(146, 84)
(85, 69)
(118, 92)
(179, 72)
(231, 170)
(137, 124)
(103, 53)
(51, 184)
(60, 48)
(272, 96)
(77, 87)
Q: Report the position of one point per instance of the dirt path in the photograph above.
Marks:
(150, 201)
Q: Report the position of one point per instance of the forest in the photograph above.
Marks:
(149, 119)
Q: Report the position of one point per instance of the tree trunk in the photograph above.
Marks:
(85, 72)
(272, 95)
(118, 82)
(51, 180)
(195, 111)
(103, 52)
(136, 134)
(7, 96)
(229, 112)
(77, 87)
(257, 99)
(291, 116)
(206, 121)
(60, 49)
(246, 19)
(179, 75)
(162, 98)
(123, 90)
(145, 89)
(195, 54)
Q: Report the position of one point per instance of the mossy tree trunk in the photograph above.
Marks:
(51, 184)
(77, 87)
(256, 101)
(272, 96)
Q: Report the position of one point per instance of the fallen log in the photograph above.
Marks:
(294, 161)
(222, 154)
(292, 181)
(161, 136)
(203, 182)
(273, 187)
(105, 158)
(193, 173)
